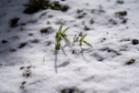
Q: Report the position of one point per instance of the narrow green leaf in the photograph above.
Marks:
(64, 31)
(82, 39)
(87, 43)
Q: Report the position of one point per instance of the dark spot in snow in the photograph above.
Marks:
(23, 83)
(97, 11)
(29, 67)
(92, 21)
(34, 41)
(71, 90)
(65, 8)
(121, 14)
(14, 22)
(135, 41)
(125, 40)
(4, 41)
(27, 73)
(63, 0)
(113, 22)
(30, 34)
(80, 14)
(120, 2)
(23, 44)
(76, 52)
(22, 86)
(47, 30)
(124, 20)
(48, 22)
(130, 62)
(12, 50)
(79, 11)
(86, 28)
(73, 52)
(50, 16)
(22, 67)
(103, 39)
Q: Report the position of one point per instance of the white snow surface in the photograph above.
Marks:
(100, 69)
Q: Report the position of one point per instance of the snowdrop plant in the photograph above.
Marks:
(60, 35)
(83, 41)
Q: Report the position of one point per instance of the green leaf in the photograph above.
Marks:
(87, 43)
(60, 28)
(82, 40)
(64, 31)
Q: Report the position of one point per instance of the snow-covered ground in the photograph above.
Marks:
(111, 65)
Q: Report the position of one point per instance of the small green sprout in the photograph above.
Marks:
(60, 35)
(82, 40)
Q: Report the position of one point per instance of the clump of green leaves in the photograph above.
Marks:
(60, 35)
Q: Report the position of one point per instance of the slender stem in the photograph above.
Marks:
(55, 65)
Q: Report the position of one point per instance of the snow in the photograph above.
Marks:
(100, 69)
